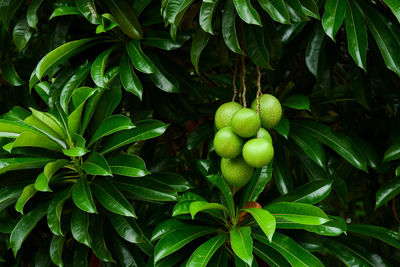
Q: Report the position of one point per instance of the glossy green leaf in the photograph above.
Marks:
(199, 42)
(128, 77)
(110, 125)
(293, 253)
(144, 130)
(162, 78)
(356, 34)
(30, 139)
(123, 251)
(176, 240)
(298, 213)
(387, 191)
(21, 34)
(199, 206)
(338, 142)
(28, 192)
(61, 54)
(174, 180)
(392, 153)
(51, 168)
(8, 10)
(99, 66)
(247, 12)
(255, 45)
(127, 228)
(126, 18)
(31, 15)
(175, 9)
(10, 75)
(202, 255)
(333, 17)
(296, 10)
(242, 244)
(256, 186)
(80, 226)
(162, 40)
(138, 57)
(310, 8)
(128, 165)
(82, 196)
(112, 199)
(88, 10)
(8, 195)
(75, 152)
(25, 225)
(226, 192)
(10, 164)
(388, 236)
(206, 15)
(335, 227)
(269, 255)
(56, 248)
(98, 243)
(265, 220)
(315, 54)
(64, 11)
(43, 90)
(310, 193)
(394, 6)
(276, 9)
(229, 28)
(283, 127)
(96, 164)
(167, 227)
(281, 173)
(51, 121)
(300, 102)
(54, 211)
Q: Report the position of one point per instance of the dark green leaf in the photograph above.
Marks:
(128, 165)
(64, 11)
(128, 77)
(387, 192)
(206, 15)
(388, 236)
(283, 127)
(173, 180)
(96, 164)
(139, 59)
(300, 102)
(229, 28)
(99, 66)
(8, 195)
(10, 75)
(56, 247)
(31, 15)
(28, 192)
(167, 227)
(202, 255)
(21, 34)
(310, 193)
(8, 10)
(110, 125)
(199, 41)
(97, 240)
(247, 12)
(88, 10)
(281, 173)
(54, 211)
(220, 183)
(276, 9)
(257, 183)
(162, 78)
(255, 45)
(10, 164)
(394, 6)
(335, 11)
(82, 195)
(80, 256)
(127, 228)
(80, 226)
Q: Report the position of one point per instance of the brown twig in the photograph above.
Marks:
(394, 209)
(243, 79)
(235, 91)
(258, 88)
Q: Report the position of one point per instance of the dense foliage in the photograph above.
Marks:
(107, 131)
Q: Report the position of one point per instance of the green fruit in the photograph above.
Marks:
(262, 133)
(258, 152)
(236, 172)
(270, 110)
(227, 144)
(224, 114)
(245, 122)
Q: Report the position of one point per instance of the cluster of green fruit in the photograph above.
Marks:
(242, 139)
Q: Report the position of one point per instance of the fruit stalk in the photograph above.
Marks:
(258, 89)
(243, 79)
(235, 92)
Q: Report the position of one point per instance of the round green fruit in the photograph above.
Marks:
(246, 122)
(262, 133)
(224, 114)
(227, 144)
(258, 152)
(270, 110)
(236, 172)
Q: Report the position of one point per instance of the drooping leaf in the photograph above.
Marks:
(8, 10)
(283, 127)
(333, 17)
(202, 255)
(56, 248)
(220, 183)
(174, 180)
(54, 211)
(247, 12)
(281, 174)
(80, 226)
(138, 57)
(206, 15)
(99, 67)
(387, 191)
(127, 228)
(265, 220)
(82, 196)
(255, 45)
(242, 244)
(229, 28)
(21, 34)
(129, 79)
(10, 164)
(96, 164)
(31, 15)
(388, 236)
(128, 165)
(10, 75)
(199, 41)
(276, 9)
(99, 246)
(28, 192)
(88, 10)
(257, 183)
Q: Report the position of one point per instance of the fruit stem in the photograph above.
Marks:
(258, 88)
(243, 79)
(235, 91)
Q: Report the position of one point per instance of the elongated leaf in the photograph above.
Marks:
(394, 6)
(198, 206)
(313, 149)
(10, 75)
(56, 248)
(293, 253)
(111, 125)
(51, 168)
(10, 164)
(257, 183)
(43, 90)
(265, 220)
(199, 41)
(80, 226)
(126, 18)
(242, 244)
(282, 177)
(82, 195)
(25, 226)
(21, 34)
(176, 240)
(269, 255)
(162, 40)
(297, 13)
(162, 78)
(388, 236)
(30, 139)
(54, 211)
(28, 192)
(98, 243)
(175, 10)
(388, 191)
(144, 130)
(8, 195)
(310, 193)
(276, 9)
(283, 127)
(8, 10)
(229, 28)
(300, 102)
(173, 180)
(392, 153)
(88, 10)
(64, 11)
(247, 12)
(123, 252)
(127, 228)
(356, 34)
(206, 15)
(31, 15)
(128, 165)
(310, 8)
(99, 66)
(128, 77)
(166, 227)
(338, 142)
(96, 164)
(139, 59)
(202, 255)
(220, 183)
(335, 11)
(255, 45)
(298, 213)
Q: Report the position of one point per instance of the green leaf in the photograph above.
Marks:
(206, 14)
(21, 34)
(99, 66)
(265, 220)
(139, 59)
(162, 40)
(175, 10)
(56, 247)
(43, 90)
(313, 149)
(247, 12)
(255, 45)
(163, 79)
(110, 125)
(281, 173)
(64, 11)
(300, 102)
(356, 34)
(96, 164)
(88, 10)
(25, 225)
(176, 240)
(55, 209)
(335, 11)
(128, 77)
(310, 193)
(283, 127)
(8, 195)
(28, 192)
(51, 168)
(394, 6)
(31, 139)
(174, 180)
(310, 8)
(257, 183)
(199, 42)
(61, 54)
(80, 226)
(315, 54)
(276, 9)
(298, 213)
(392, 153)
(198, 206)
(293, 253)
(387, 191)
(220, 183)
(126, 18)
(269, 255)
(112, 199)
(128, 165)
(297, 13)
(31, 15)
(10, 164)
(80, 256)
(127, 228)
(229, 28)
(51, 122)
(123, 251)
(242, 244)
(10, 75)
(8, 10)
(167, 227)
(98, 243)
(82, 195)
(388, 236)
(144, 130)
(202, 255)
(338, 142)
(335, 227)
